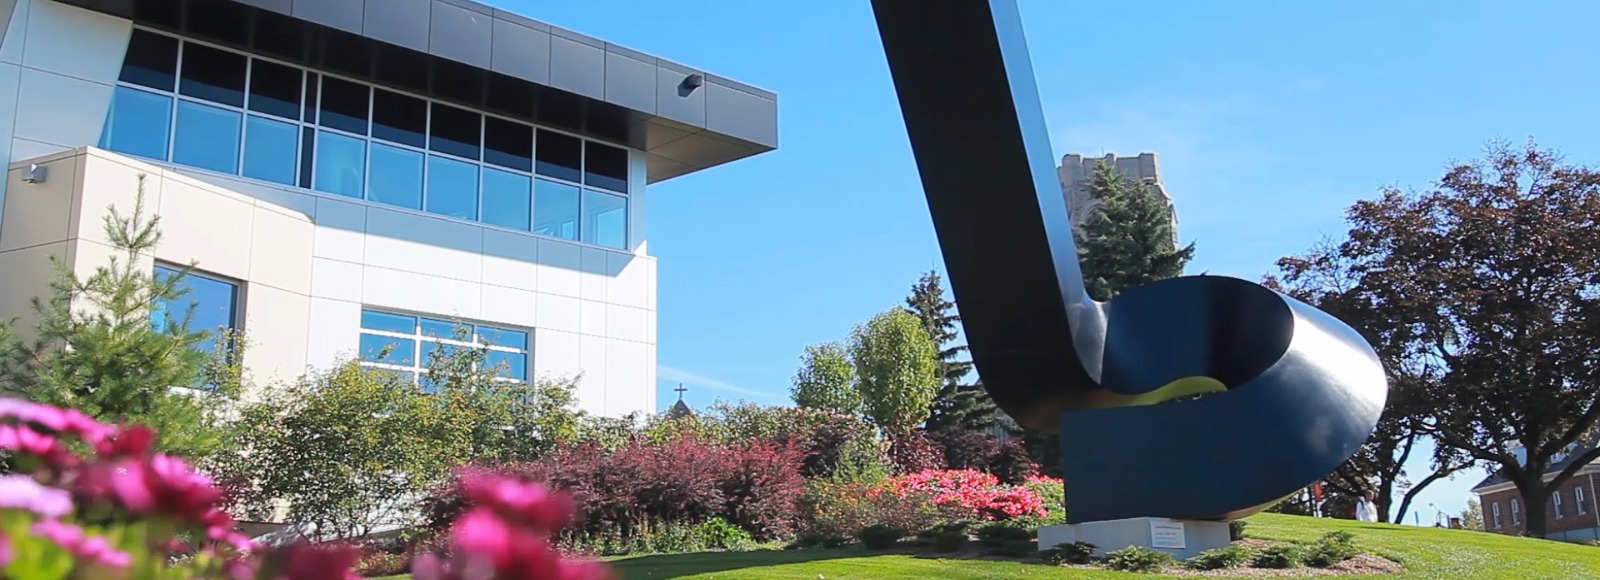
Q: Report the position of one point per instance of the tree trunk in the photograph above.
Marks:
(1385, 499)
(1533, 497)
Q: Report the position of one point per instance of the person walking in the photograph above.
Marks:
(1365, 511)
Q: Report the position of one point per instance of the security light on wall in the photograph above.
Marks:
(35, 173)
(693, 81)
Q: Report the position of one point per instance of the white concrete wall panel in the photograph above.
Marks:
(16, 33)
(560, 268)
(511, 306)
(395, 289)
(205, 225)
(341, 230)
(595, 393)
(329, 329)
(74, 42)
(40, 213)
(435, 246)
(276, 323)
(60, 110)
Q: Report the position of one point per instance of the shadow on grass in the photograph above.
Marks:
(663, 566)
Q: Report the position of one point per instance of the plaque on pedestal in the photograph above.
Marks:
(1181, 538)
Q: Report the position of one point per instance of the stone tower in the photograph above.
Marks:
(1077, 171)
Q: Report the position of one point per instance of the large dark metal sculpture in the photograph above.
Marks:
(1291, 392)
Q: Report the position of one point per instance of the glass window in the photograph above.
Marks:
(213, 75)
(269, 149)
(341, 164)
(555, 209)
(204, 304)
(433, 349)
(399, 118)
(388, 322)
(388, 350)
(152, 60)
(559, 156)
(605, 166)
(452, 188)
(207, 137)
(605, 219)
(508, 144)
(455, 131)
(275, 89)
(344, 105)
(396, 176)
(510, 365)
(138, 124)
(503, 338)
(506, 198)
(445, 329)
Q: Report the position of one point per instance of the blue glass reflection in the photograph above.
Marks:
(204, 305)
(435, 349)
(207, 137)
(341, 164)
(374, 320)
(396, 176)
(138, 124)
(269, 150)
(605, 219)
(506, 198)
(503, 338)
(511, 365)
(555, 209)
(452, 188)
(388, 350)
(444, 329)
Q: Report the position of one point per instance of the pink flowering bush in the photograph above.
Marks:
(973, 493)
(88, 500)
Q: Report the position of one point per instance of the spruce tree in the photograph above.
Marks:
(94, 348)
(1128, 241)
(957, 405)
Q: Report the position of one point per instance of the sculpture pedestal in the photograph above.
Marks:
(1181, 538)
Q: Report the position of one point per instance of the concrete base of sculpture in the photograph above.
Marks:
(1181, 538)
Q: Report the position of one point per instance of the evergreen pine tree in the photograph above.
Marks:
(957, 405)
(94, 348)
(1128, 241)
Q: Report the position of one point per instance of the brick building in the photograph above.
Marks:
(1570, 514)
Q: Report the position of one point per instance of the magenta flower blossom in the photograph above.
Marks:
(23, 439)
(520, 501)
(22, 492)
(85, 547)
(160, 484)
(5, 550)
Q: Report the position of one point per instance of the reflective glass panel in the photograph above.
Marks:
(396, 177)
(511, 365)
(558, 155)
(605, 219)
(209, 303)
(605, 166)
(508, 144)
(344, 105)
(207, 137)
(399, 118)
(555, 209)
(213, 75)
(446, 329)
(389, 322)
(503, 338)
(506, 198)
(138, 124)
(152, 60)
(452, 188)
(341, 163)
(436, 349)
(455, 131)
(269, 149)
(275, 89)
(388, 350)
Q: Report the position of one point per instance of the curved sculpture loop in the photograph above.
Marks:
(1291, 392)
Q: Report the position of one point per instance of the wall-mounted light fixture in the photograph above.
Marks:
(35, 173)
(693, 81)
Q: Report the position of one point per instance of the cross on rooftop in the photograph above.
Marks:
(681, 390)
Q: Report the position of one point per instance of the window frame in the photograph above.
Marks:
(302, 152)
(1516, 511)
(426, 343)
(236, 318)
(1579, 498)
(1555, 504)
(1495, 508)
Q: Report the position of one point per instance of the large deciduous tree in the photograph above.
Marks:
(957, 405)
(1324, 278)
(1496, 273)
(897, 369)
(826, 380)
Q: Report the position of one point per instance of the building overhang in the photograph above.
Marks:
(471, 54)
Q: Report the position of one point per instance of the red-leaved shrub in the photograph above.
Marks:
(975, 493)
(913, 451)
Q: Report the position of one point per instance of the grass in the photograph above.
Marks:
(1427, 553)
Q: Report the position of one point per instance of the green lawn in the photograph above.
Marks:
(1427, 553)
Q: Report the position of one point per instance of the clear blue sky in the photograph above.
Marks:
(1270, 118)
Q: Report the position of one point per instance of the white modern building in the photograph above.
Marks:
(355, 177)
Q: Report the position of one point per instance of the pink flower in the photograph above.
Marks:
(30, 412)
(132, 441)
(524, 502)
(160, 484)
(303, 561)
(5, 550)
(22, 492)
(92, 548)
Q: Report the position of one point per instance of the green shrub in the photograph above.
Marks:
(879, 536)
(1277, 557)
(831, 542)
(999, 533)
(1332, 548)
(1073, 553)
(720, 534)
(1138, 559)
(1236, 530)
(949, 541)
(1013, 548)
(1219, 558)
(955, 526)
